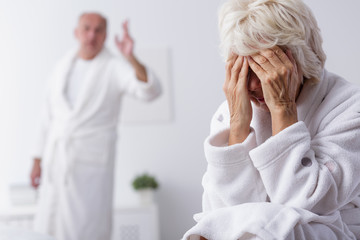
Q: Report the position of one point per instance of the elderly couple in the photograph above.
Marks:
(283, 151)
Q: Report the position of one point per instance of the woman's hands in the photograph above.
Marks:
(235, 88)
(280, 85)
(280, 81)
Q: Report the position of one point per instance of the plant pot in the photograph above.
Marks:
(146, 196)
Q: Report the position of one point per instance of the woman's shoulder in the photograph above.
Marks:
(340, 104)
(341, 90)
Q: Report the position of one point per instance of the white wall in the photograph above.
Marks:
(338, 21)
(36, 33)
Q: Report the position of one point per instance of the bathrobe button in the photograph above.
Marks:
(306, 162)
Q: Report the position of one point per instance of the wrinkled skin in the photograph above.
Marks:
(271, 79)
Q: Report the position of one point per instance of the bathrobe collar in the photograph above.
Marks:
(91, 78)
(311, 96)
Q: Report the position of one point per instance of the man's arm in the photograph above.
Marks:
(126, 47)
(139, 68)
(35, 174)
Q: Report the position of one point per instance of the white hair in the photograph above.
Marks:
(248, 26)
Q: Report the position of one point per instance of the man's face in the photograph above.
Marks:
(91, 34)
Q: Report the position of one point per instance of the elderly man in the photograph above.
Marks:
(76, 153)
(283, 151)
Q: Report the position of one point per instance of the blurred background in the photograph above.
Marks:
(36, 33)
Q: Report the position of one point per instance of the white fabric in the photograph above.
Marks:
(302, 183)
(75, 80)
(12, 233)
(78, 157)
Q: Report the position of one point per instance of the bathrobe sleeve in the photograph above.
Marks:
(317, 171)
(231, 177)
(130, 85)
(43, 132)
(45, 122)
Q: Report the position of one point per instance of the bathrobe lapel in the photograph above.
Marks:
(93, 88)
(91, 92)
(60, 77)
(309, 101)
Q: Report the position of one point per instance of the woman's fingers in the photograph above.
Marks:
(229, 65)
(233, 68)
(273, 60)
(283, 55)
(236, 69)
(256, 68)
(269, 59)
(243, 75)
(265, 59)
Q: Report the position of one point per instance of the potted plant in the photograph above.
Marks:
(145, 185)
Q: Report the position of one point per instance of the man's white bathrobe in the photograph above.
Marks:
(301, 184)
(76, 188)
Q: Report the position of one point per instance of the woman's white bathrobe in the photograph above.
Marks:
(303, 183)
(76, 188)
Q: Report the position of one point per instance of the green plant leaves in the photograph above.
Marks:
(145, 181)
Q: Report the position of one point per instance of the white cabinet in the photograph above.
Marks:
(137, 223)
(20, 216)
(17, 233)
(130, 223)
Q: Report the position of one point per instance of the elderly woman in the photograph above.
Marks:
(284, 149)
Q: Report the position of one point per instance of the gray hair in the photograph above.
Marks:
(248, 26)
